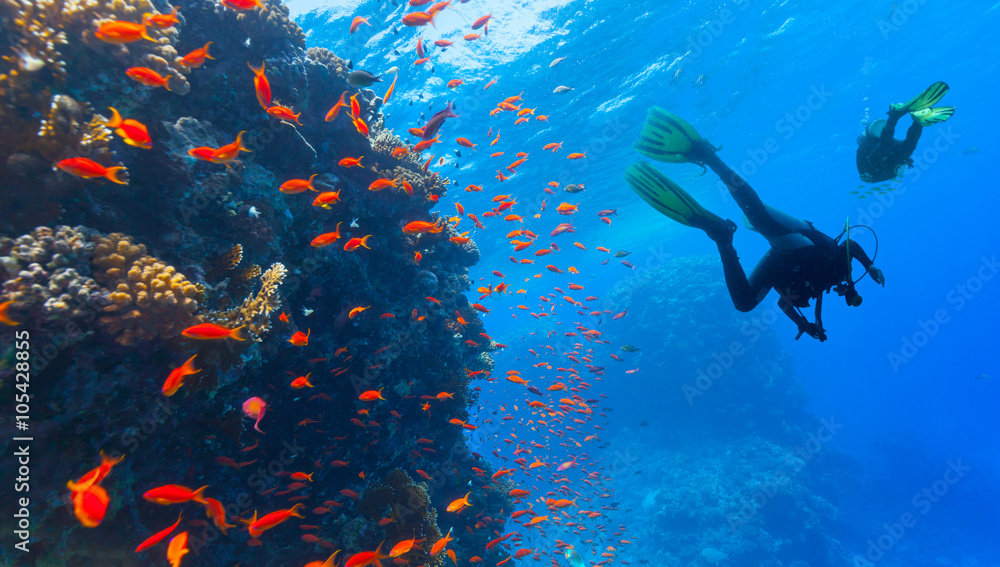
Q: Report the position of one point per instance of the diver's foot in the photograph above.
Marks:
(722, 231)
(701, 151)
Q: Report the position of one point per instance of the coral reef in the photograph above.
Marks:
(48, 275)
(398, 497)
(750, 501)
(255, 310)
(148, 299)
(129, 301)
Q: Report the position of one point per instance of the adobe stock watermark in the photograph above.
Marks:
(785, 129)
(957, 298)
(922, 502)
(778, 479)
(724, 359)
(898, 17)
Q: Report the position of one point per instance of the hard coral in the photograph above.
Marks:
(399, 497)
(255, 310)
(148, 299)
(272, 30)
(49, 275)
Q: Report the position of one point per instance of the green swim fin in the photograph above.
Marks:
(666, 137)
(926, 99)
(931, 116)
(669, 199)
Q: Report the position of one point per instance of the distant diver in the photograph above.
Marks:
(802, 263)
(881, 156)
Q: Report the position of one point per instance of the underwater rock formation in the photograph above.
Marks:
(720, 373)
(105, 310)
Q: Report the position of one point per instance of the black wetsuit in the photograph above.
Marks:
(798, 275)
(881, 158)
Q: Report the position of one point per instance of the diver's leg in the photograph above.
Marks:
(741, 191)
(912, 137)
(889, 130)
(745, 293)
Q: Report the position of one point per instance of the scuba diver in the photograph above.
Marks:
(880, 156)
(802, 262)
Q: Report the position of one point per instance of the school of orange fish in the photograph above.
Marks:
(557, 429)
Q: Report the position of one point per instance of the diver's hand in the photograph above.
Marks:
(876, 275)
(812, 330)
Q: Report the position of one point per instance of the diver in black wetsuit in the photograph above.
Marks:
(802, 264)
(881, 157)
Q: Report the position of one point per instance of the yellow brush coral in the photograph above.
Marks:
(254, 312)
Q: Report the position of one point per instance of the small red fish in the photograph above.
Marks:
(88, 169)
(209, 331)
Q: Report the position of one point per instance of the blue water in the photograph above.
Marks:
(796, 78)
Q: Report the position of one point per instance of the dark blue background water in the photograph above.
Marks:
(799, 78)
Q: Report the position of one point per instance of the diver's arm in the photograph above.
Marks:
(858, 253)
(801, 322)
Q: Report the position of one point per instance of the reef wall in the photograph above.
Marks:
(105, 276)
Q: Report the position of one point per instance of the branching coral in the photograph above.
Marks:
(408, 503)
(255, 311)
(148, 298)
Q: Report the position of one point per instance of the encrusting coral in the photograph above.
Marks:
(49, 279)
(148, 299)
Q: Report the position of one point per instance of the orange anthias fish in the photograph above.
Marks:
(122, 32)
(404, 546)
(366, 558)
(177, 548)
(356, 311)
(302, 382)
(4, 316)
(158, 536)
(326, 198)
(300, 339)
(293, 186)
(254, 409)
(327, 238)
(330, 561)
(197, 57)
(577, 156)
(162, 21)
(333, 112)
(209, 331)
(466, 143)
(148, 77)
(229, 152)
(355, 243)
(132, 132)
(176, 378)
(459, 504)
(371, 395)
(284, 113)
(392, 87)
(257, 527)
(419, 227)
(356, 23)
(351, 162)
(261, 85)
(88, 169)
(441, 543)
(243, 4)
(380, 184)
(418, 19)
(175, 494)
(217, 512)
